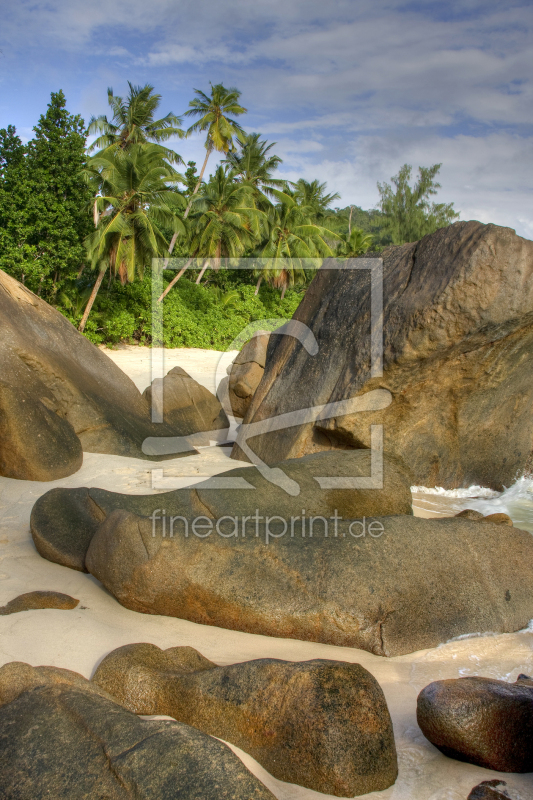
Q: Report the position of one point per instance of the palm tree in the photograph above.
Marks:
(312, 195)
(214, 116)
(223, 228)
(135, 205)
(294, 243)
(355, 244)
(133, 122)
(224, 224)
(253, 165)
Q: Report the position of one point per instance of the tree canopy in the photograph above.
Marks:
(44, 200)
(408, 213)
(121, 203)
(133, 122)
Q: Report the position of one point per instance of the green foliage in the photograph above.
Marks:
(222, 225)
(214, 117)
(48, 190)
(409, 215)
(191, 177)
(253, 165)
(133, 122)
(44, 201)
(135, 203)
(312, 196)
(294, 241)
(372, 222)
(11, 151)
(194, 316)
(17, 255)
(355, 244)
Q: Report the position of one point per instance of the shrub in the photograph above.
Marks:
(193, 316)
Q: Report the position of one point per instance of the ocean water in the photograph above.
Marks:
(516, 501)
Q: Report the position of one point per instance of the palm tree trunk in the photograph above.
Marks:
(283, 292)
(258, 284)
(201, 275)
(350, 222)
(176, 279)
(204, 165)
(91, 300)
(170, 249)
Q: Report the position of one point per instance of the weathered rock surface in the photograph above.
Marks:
(246, 373)
(63, 521)
(489, 790)
(33, 600)
(470, 513)
(186, 405)
(480, 720)
(44, 356)
(66, 740)
(496, 519)
(457, 359)
(17, 677)
(320, 724)
(35, 443)
(406, 584)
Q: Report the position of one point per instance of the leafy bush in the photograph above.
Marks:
(193, 316)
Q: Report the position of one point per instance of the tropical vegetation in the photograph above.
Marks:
(83, 224)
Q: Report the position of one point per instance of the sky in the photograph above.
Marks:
(350, 90)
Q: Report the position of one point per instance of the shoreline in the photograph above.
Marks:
(80, 638)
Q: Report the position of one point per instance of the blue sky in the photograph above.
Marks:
(349, 89)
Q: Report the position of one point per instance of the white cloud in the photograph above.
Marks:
(486, 178)
(350, 91)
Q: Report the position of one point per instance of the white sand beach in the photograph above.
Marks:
(79, 639)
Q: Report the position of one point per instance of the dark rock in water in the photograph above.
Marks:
(186, 405)
(35, 443)
(68, 742)
(43, 355)
(33, 600)
(480, 720)
(390, 585)
(495, 519)
(498, 519)
(489, 790)
(320, 724)
(470, 513)
(64, 521)
(246, 373)
(457, 359)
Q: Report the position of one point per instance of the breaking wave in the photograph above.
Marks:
(516, 501)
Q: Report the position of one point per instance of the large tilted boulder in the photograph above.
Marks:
(35, 443)
(186, 404)
(246, 373)
(457, 359)
(320, 724)
(480, 720)
(63, 521)
(75, 386)
(63, 737)
(387, 584)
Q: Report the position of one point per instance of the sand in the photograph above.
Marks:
(80, 638)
